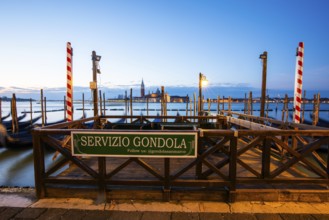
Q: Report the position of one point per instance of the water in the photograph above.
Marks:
(16, 166)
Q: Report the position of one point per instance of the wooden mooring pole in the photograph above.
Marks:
(250, 104)
(147, 106)
(100, 103)
(316, 107)
(263, 57)
(42, 110)
(14, 114)
(131, 105)
(83, 104)
(245, 104)
(218, 105)
(104, 108)
(285, 110)
(187, 98)
(93, 84)
(194, 106)
(0, 110)
(45, 104)
(31, 117)
(126, 103)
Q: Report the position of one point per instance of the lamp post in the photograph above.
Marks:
(202, 82)
(263, 57)
(93, 85)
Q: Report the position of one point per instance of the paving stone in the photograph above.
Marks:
(30, 213)
(321, 216)
(267, 216)
(211, 216)
(297, 217)
(156, 216)
(74, 214)
(97, 215)
(118, 215)
(52, 214)
(239, 216)
(8, 213)
(184, 216)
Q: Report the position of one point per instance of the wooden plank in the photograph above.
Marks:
(248, 124)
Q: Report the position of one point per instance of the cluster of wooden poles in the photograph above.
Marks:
(192, 107)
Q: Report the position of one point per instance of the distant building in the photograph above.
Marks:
(156, 96)
(179, 98)
(142, 89)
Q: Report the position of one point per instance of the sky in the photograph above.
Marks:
(163, 42)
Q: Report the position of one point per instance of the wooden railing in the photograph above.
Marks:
(227, 160)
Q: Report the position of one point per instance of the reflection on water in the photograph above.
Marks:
(17, 168)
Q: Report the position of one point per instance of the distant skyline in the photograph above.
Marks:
(164, 42)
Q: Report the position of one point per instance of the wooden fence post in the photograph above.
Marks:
(266, 158)
(101, 179)
(232, 168)
(166, 188)
(39, 165)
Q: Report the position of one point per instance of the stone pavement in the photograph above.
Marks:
(23, 205)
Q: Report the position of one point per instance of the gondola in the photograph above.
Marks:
(5, 117)
(8, 124)
(19, 140)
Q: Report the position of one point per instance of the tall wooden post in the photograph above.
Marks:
(245, 104)
(316, 104)
(100, 103)
(218, 105)
(229, 105)
(200, 95)
(267, 105)
(285, 109)
(83, 105)
(45, 108)
(69, 84)
(131, 105)
(14, 114)
(190, 107)
(104, 103)
(263, 96)
(93, 84)
(126, 103)
(162, 102)
(42, 110)
(0, 110)
(187, 98)
(194, 105)
(250, 107)
(147, 106)
(31, 110)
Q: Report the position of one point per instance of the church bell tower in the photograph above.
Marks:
(142, 89)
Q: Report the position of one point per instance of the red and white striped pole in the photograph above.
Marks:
(69, 86)
(298, 81)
